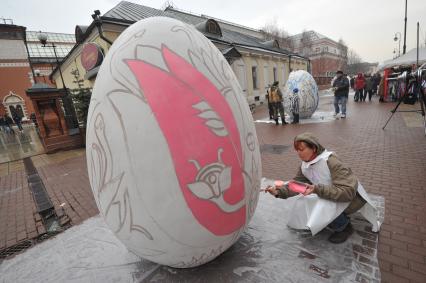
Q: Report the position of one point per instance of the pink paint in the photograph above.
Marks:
(297, 187)
(279, 183)
(171, 96)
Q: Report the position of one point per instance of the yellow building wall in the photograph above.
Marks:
(75, 63)
(260, 62)
(249, 60)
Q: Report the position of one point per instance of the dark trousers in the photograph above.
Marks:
(271, 111)
(363, 94)
(295, 118)
(339, 224)
(19, 124)
(370, 94)
(278, 109)
(359, 94)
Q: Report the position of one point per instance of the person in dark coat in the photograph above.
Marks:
(294, 106)
(341, 93)
(2, 124)
(8, 124)
(368, 87)
(18, 121)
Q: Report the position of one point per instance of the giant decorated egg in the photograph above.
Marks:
(172, 152)
(307, 93)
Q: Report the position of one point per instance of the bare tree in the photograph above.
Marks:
(271, 31)
(168, 4)
(305, 44)
(343, 52)
(353, 57)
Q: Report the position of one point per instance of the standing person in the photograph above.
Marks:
(2, 124)
(18, 121)
(294, 106)
(325, 175)
(8, 124)
(276, 97)
(368, 87)
(341, 86)
(270, 108)
(376, 81)
(359, 87)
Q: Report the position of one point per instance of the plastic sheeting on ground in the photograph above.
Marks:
(268, 251)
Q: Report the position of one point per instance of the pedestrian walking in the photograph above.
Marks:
(2, 124)
(359, 87)
(368, 87)
(18, 121)
(376, 82)
(8, 124)
(341, 93)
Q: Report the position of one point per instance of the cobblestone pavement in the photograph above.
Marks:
(390, 163)
(17, 145)
(65, 177)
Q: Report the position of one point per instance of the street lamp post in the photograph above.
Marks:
(399, 44)
(67, 102)
(405, 28)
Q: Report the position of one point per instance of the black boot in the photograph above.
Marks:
(340, 237)
(276, 121)
(295, 119)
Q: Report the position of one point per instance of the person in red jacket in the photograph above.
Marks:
(359, 87)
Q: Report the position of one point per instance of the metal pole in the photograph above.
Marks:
(399, 46)
(59, 67)
(28, 54)
(405, 29)
(417, 61)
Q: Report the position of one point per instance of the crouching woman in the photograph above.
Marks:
(332, 192)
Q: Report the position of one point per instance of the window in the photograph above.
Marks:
(212, 28)
(317, 49)
(274, 70)
(254, 76)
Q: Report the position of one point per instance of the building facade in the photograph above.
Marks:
(15, 72)
(326, 55)
(256, 63)
(23, 60)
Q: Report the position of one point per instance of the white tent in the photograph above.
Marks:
(407, 59)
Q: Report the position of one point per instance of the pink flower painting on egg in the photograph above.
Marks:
(190, 111)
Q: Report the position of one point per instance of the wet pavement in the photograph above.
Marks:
(389, 163)
(18, 145)
(268, 251)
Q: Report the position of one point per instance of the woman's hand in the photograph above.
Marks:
(309, 190)
(272, 190)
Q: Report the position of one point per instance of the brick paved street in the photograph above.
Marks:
(390, 163)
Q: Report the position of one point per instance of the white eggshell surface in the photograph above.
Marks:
(172, 151)
(308, 93)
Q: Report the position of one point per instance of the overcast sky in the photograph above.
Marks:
(367, 26)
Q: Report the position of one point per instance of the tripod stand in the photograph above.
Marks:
(412, 80)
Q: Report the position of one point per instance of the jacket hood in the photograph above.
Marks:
(309, 138)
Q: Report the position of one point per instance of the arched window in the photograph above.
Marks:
(14, 104)
(209, 26)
